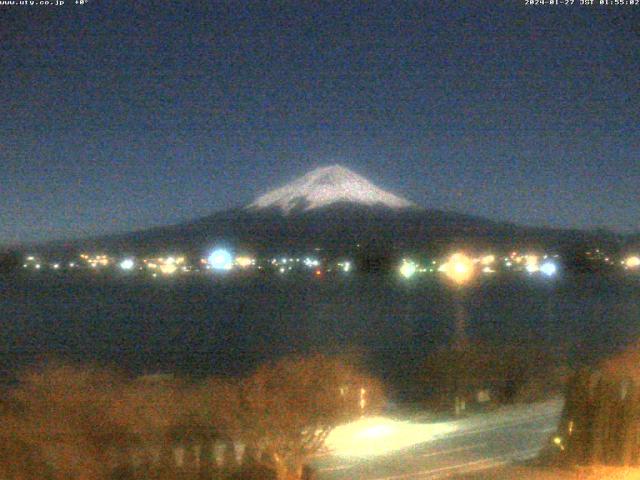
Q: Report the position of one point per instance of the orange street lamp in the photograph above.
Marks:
(460, 270)
(632, 261)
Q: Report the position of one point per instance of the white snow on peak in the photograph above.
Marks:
(326, 185)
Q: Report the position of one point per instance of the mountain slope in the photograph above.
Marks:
(334, 209)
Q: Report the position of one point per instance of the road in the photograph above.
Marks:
(386, 449)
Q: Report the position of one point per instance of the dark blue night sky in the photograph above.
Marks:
(121, 117)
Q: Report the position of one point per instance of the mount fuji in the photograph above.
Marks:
(326, 186)
(332, 209)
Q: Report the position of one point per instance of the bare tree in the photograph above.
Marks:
(147, 408)
(212, 403)
(65, 422)
(55, 426)
(287, 409)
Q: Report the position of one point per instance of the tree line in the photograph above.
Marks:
(601, 419)
(63, 421)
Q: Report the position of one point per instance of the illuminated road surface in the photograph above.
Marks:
(383, 449)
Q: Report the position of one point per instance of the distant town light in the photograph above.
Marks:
(127, 264)
(407, 269)
(245, 262)
(168, 268)
(488, 259)
(632, 261)
(221, 259)
(549, 269)
(459, 268)
(311, 262)
(532, 263)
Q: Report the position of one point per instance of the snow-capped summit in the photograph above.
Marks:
(326, 185)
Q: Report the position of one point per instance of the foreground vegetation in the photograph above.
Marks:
(68, 422)
(507, 373)
(599, 433)
(601, 421)
(63, 421)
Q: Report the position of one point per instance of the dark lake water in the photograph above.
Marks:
(203, 325)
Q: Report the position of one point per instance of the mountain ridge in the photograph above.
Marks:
(331, 208)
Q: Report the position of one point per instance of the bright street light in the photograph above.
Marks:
(549, 269)
(407, 269)
(221, 259)
(127, 264)
(632, 262)
(459, 268)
